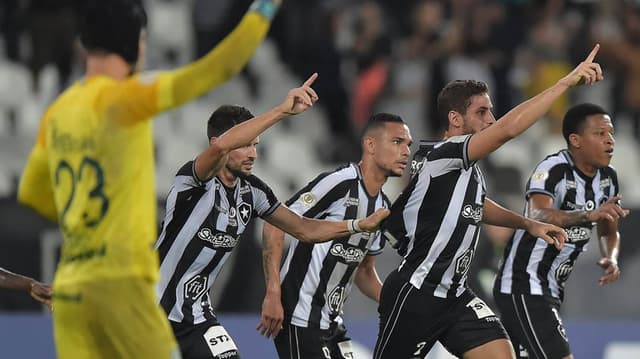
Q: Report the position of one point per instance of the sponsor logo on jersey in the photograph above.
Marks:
(244, 211)
(577, 234)
(195, 287)
(563, 271)
(416, 167)
(463, 262)
(604, 183)
(472, 212)
(351, 201)
(349, 254)
(217, 240)
(308, 199)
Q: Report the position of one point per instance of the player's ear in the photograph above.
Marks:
(575, 140)
(368, 144)
(455, 119)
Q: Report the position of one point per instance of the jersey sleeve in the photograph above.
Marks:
(545, 178)
(35, 189)
(449, 155)
(264, 201)
(144, 95)
(316, 198)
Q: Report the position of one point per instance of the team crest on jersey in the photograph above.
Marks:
(244, 212)
(563, 271)
(195, 287)
(308, 199)
(463, 262)
(335, 299)
(590, 205)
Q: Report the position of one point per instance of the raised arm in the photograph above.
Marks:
(298, 100)
(314, 231)
(222, 62)
(541, 209)
(272, 311)
(527, 113)
(499, 216)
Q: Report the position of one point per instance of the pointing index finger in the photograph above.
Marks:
(312, 78)
(592, 54)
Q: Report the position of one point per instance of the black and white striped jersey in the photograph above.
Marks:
(530, 265)
(202, 225)
(438, 213)
(317, 278)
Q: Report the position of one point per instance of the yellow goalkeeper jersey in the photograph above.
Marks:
(92, 166)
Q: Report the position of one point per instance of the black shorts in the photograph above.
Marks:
(534, 325)
(307, 343)
(208, 340)
(412, 320)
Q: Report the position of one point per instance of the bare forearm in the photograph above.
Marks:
(560, 218)
(14, 281)
(369, 283)
(242, 134)
(610, 246)
(527, 113)
(272, 239)
(497, 215)
(314, 230)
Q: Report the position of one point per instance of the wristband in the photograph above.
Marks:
(265, 8)
(353, 227)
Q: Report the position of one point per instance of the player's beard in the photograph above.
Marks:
(238, 172)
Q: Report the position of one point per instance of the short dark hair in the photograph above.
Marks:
(225, 117)
(113, 26)
(576, 116)
(456, 96)
(378, 120)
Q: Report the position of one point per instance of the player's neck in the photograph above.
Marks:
(372, 176)
(583, 165)
(107, 65)
(227, 177)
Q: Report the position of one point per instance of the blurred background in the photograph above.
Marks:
(372, 56)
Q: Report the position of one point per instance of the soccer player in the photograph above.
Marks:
(92, 171)
(316, 279)
(439, 213)
(39, 291)
(574, 188)
(212, 200)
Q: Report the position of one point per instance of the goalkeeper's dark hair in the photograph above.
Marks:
(113, 26)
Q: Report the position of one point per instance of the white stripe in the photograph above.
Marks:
(447, 228)
(507, 271)
(447, 278)
(533, 332)
(203, 257)
(537, 252)
(300, 315)
(191, 226)
(395, 321)
(297, 342)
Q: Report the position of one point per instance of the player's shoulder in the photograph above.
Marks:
(344, 172)
(186, 169)
(560, 159)
(609, 171)
(255, 182)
